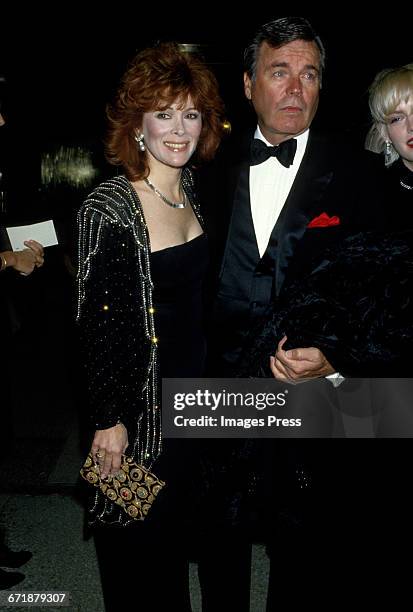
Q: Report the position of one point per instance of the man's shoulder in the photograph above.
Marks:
(333, 143)
(342, 153)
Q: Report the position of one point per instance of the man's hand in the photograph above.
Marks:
(299, 364)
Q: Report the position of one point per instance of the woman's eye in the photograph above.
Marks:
(192, 115)
(162, 115)
(395, 119)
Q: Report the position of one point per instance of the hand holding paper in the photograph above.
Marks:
(24, 261)
(44, 233)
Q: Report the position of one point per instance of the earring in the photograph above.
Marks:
(388, 153)
(141, 144)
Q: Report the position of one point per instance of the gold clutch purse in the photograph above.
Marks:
(134, 488)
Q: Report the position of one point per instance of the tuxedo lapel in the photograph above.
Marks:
(309, 187)
(241, 224)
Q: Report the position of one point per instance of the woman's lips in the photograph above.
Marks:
(176, 146)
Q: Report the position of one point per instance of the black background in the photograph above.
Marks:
(63, 67)
(60, 73)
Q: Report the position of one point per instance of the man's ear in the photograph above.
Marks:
(247, 86)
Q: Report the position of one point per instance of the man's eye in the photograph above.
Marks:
(310, 76)
(279, 73)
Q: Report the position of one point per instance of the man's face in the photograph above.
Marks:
(286, 88)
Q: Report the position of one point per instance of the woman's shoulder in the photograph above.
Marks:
(112, 189)
(112, 199)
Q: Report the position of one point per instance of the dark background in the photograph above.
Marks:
(62, 68)
(62, 73)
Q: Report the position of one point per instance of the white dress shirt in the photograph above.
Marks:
(270, 184)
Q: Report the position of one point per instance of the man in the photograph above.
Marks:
(284, 213)
(289, 193)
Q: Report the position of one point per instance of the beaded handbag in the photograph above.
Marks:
(134, 488)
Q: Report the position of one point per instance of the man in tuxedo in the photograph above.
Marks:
(281, 196)
(289, 193)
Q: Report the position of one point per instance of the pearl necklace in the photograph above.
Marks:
(164, 198)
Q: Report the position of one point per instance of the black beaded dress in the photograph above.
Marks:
(201, 509)
(127, 297)
(140, 316)
(177, 275)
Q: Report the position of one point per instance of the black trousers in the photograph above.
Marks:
(351, 543)
(142, 568)
(224, 570)
(145, 567)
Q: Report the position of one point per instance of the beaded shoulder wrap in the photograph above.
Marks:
(115, 315)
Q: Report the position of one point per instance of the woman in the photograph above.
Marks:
(387, 471)
(142, 259)
(391, 107)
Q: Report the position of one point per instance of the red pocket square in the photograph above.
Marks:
(324, 220)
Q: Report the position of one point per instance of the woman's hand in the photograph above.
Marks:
(108, 446)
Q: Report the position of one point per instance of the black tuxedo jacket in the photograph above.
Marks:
(330, 180)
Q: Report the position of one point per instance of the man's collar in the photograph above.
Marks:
(301, 139)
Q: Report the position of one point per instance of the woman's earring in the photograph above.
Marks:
(141, 144)
(388, 153)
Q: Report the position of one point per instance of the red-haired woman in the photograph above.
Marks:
(142, 261)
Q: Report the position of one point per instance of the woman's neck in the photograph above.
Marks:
(166, 179)
(408, 164)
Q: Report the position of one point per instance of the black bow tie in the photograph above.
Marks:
(284, 152)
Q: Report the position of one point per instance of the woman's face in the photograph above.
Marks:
(171, 135)
(400, 131)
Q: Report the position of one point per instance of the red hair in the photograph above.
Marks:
(156, 78)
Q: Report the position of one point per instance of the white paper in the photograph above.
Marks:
(44, 233)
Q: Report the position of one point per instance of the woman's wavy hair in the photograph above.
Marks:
(156, 78)
(389, 88)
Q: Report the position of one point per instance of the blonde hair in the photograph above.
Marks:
(389, 88)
